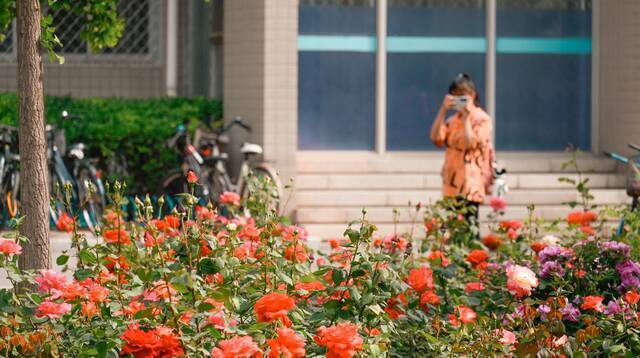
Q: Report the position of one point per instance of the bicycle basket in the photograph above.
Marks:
(633, 177)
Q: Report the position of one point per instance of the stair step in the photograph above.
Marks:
(431, 162)
(434, 181)
(393, 197)
(384, 215)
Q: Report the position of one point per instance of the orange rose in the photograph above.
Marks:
(492, 241)
(421, 279)
(632, 297)
(477, 258)
(341, 340)
(288, 344)
(274, 306)
(117, 236)
(438, 255)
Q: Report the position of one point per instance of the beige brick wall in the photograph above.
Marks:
(93, 80)
(261, 75)
(619, 74)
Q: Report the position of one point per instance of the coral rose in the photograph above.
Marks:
(477, 258)
(237, 347)
(473, 286)
(287, 344)
(10, 247)
(116, 236)
(593, 303)
(158, 342)
(438, 255)
(421, 279)
(192, 178)
(462, 314)
(520, 280)
(492, 241)
(274, 306)
(632, 297)
(498, 203)
(65, 223)
(229, 198)
(341, 340)
(52, 310)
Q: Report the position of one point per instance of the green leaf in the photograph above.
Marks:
(208, 266)
(62, 260)
(338, 275)
(87, 256)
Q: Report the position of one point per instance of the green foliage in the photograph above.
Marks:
(135, 129)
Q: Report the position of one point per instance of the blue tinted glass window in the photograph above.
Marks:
(336, 75)
(543, 82)
(428, 44)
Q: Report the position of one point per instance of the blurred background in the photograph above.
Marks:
(342, 93)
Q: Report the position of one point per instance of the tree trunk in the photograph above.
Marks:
(34, 190)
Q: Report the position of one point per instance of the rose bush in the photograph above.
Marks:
(197, 283)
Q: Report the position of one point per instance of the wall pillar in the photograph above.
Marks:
(261, 77)
(618, 79)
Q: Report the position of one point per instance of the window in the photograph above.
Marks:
(543, 74)
(426, 48)
(336, 43)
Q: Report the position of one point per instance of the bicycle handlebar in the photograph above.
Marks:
(617, 157)
(634, 146)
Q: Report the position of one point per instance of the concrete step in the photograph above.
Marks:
(327, 162)
(398, 198)
(434, 181)
(405, 215)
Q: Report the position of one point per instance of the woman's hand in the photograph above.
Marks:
(448, 103)
(466, 110)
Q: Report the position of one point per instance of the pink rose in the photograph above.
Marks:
(507, 337)
(520, 280)
(51, 280)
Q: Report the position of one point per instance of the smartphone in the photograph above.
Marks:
(460, 102)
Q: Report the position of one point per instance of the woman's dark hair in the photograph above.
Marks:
(463, 82)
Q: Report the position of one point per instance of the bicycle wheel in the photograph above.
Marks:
(92, 201)
(264, 172)
(172, 186)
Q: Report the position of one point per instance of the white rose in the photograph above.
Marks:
(232, 226)
(550, 240)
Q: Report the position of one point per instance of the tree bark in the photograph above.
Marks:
(34, 190)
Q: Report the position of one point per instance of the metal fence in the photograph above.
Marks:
(141, 40)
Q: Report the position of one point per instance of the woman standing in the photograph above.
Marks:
(467, 171)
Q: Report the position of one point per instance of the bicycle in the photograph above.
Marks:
(86, 188)
(9, 173)
(209, 163)
(632, 179)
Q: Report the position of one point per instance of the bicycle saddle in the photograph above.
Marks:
(251, 148)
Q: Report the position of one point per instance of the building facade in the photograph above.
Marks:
(342, 93)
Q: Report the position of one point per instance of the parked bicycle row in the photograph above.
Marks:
(70, 171)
